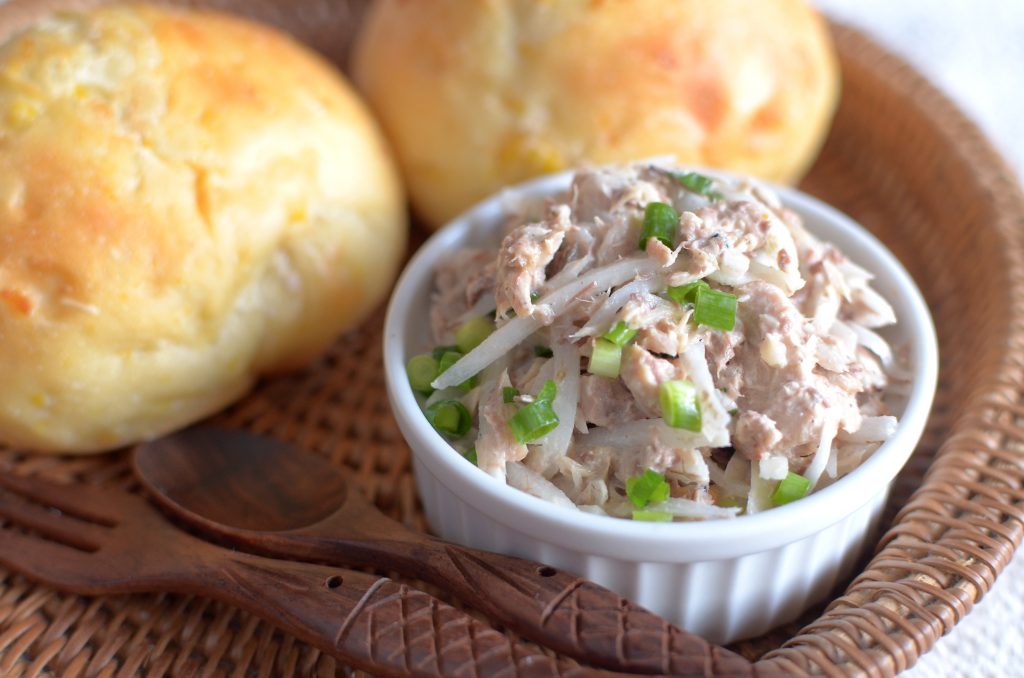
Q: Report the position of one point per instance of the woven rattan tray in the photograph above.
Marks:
(901, 160)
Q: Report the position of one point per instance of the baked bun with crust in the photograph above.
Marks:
(478, 95)
(188, 201)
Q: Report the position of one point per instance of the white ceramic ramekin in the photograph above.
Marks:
(724, 580)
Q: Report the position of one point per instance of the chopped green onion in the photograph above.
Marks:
(543, 352)
(441, 350)
(698, 183)
(449, 416)
(422, 369)
(533, 421)
(605, 359)
(538, 418)
(653, 516)
(647, 487)
(472, 333)
(547, 392)
(790, 488)
(620, 334)
(715, 309)
(686, 294)
(470, 455)
(508, 393)
(661, 221)
(448, 359)
(534, 297)
(679, 405)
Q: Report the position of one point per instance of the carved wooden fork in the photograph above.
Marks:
(92, 540)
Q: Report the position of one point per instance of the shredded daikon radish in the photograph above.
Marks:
(492, 441)
(531, 482)
(536, 382)
(845, 335)
(873, 342)
(695, 467)
(737, 473)
(772, 275)
(554, 445)
(831, 468)
(736, 478)
(734, 269)
(853, 455)
(569, 272)
(826, 308)
(836, 278)
(687, 508)
(872, 430)
(640, 432)
(716, 474)
(759, 498)
(483, 306)
(500, 342)
(507, 337)
(714, 418)
(855, 276)
(881, 313)
(603, 318)
(828, 433)
(443, 394)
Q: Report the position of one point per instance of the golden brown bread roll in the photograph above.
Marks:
(477, 95)
(187, 201)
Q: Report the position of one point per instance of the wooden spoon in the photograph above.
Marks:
(263, 496)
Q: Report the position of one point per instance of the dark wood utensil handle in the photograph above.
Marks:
(579, 618)
(374, 623)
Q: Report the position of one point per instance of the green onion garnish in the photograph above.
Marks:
(698, 183)
(543, 352)
(686, 294)
(661, 221)
(472, 333)
(538, 418)
(647, 487)
(533, 421)
(620, 334)
(790, 488)
(679, 405)
(547, 392)
(508, 393)
(449, 358)
(449, 416)
(439, 351)
(711, 307)
(715, 309)
(653, 516)
(605, 359)
(422, 369)
(470, 455)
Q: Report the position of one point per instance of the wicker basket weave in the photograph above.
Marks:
(902, 161)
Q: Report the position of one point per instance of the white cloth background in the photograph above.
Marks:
(974, 51)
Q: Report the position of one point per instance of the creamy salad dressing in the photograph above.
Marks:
(726, 364)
